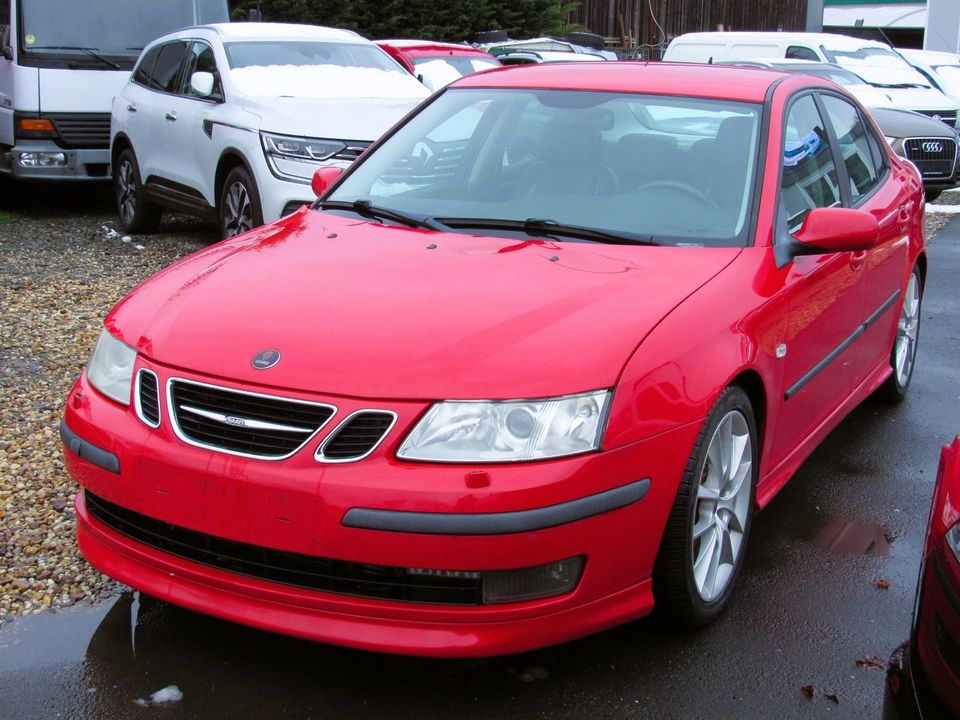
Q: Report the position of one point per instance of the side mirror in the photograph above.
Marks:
(833, 230)
(426, 82)
(323, 178)
(202, 83)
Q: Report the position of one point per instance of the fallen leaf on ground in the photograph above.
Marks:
(871, 662)
(881, 584)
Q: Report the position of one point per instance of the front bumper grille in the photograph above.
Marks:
(934, 157)
(381, 582)
(946, 117)
(241, 423)
(82, 130)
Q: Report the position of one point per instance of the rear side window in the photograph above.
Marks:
(798, 52)
(141, 75)
(809, 178)
(167, 69)
(852, 137)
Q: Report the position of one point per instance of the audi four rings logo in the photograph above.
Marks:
(266, 359)
(932, 147)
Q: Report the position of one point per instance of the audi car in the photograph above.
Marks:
(524, 372)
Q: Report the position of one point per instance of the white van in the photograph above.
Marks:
(876, 63)
(61, 64)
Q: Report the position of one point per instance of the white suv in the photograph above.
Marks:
(229, 122)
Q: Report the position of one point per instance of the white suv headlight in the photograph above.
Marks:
(110, 368)
(300, 148)
(508, 431)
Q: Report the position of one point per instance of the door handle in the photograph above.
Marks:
(903, 218)
(857, 259)
(131, 108)
(171, 116)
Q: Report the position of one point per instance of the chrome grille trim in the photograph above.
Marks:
(932, 165)
(947, 117)
(308, 433)
(138, 400)
(320, 457)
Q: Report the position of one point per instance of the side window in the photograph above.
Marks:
(201, 59)
(809, 176)
(851, 134)
(166, 72)
(141, 75)
(798, 52)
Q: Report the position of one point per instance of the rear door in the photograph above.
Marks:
(154, 150)
(132, 111)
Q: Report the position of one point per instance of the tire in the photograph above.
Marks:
(931, 195)
(239, 207)
(137, 214)
(903, 354)
(694, 576)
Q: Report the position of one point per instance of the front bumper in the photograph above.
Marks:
(81, 164)
(299, 506)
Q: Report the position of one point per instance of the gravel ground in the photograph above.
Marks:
(62, 267)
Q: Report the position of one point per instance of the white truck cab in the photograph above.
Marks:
(61, 64)
(876, 63)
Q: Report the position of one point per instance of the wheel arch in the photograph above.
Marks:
(750, 381)
(120, 143)
(230, 158)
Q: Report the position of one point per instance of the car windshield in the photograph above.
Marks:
(115, 28)
(673, 170)
(447, 68)
(313, 68)
(878, 66)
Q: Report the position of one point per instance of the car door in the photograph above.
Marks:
(823, 292)
(191, 152)
(867, 178)
(164, 86)
(134, 110)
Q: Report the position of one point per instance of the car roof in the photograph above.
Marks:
(684, 79)
(282, 31)
(830, 40)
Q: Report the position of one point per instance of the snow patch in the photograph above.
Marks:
(945, 209)
(325, 81)
(169, 694)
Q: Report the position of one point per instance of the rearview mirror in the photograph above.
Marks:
(202, 83)
(833, 230)
(324, 178)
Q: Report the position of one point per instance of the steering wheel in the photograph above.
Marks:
(680, 187)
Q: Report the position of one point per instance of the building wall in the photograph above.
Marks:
(653, 23)
(943, 26)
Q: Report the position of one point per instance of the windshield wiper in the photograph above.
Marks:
(92, 52)
(366, 209)
(899, 86)
(537, 226)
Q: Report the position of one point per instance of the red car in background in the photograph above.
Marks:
(923, 676)
(437, 64)
(523, 373)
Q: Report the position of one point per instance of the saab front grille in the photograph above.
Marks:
(242, 423)
(934, 157)
(148, 398)
(382, 582)
(947, 118)
(82, 130)
(357, 436)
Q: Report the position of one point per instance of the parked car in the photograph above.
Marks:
(479, 400)
(60, 69)
(507, 56)
(877, 63)
(229, 122)
(923, 676)
(549, 46)
(929, 144)
(942, 69)
(437, 64)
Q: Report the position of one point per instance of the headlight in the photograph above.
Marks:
(110, 368)
(510, 431)
(298, 148)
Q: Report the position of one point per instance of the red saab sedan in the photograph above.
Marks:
(525, 371)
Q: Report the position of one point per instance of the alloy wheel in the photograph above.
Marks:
(722, 506)
(905, 347)
(238, 212)
(127, 195)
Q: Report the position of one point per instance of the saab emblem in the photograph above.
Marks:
(266, 359)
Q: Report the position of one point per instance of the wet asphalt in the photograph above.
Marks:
(811, 603)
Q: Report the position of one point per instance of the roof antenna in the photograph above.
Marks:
(710, 60)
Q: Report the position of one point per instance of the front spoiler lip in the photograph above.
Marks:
(501, 523)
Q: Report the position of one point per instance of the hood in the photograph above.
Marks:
(359, 309)
(870, 96)
(920, 99)
(88, 91)
(904, 123)
(339, 118)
